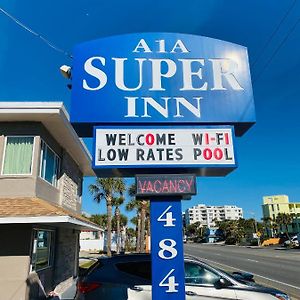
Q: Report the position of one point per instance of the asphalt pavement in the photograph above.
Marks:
(275, 267)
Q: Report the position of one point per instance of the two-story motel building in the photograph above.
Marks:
(42, 164)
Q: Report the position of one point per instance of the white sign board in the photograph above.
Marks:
(164, 147)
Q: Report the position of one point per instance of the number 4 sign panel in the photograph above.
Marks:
(167, 250)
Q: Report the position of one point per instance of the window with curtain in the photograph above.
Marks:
(18, 155)
(50, 163)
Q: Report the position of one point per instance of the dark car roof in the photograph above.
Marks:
(125, 257)
(121, 269)
(105, 261)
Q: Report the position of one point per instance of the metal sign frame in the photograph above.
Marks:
(197, 168)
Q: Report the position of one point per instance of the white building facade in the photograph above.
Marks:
(207, 215)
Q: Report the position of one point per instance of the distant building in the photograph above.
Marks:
(92, 240)
(273, 205)
(213, 235)
(95, 241)
(207, 215)
(91, 234)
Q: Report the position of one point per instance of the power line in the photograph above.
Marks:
(277, 50)
(273, 33)
(46, 41)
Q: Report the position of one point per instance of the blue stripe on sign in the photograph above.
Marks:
(167, 250)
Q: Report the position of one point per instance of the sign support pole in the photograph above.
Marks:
(123, 149)
(167, 249)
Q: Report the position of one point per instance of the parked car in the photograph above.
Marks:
(129, 277)
(294, 242)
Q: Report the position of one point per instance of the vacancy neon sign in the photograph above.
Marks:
(169, 184)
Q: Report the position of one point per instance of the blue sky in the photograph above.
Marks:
(268, 154)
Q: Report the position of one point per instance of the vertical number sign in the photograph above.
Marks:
(167, 250)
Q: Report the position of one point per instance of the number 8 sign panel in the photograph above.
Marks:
(167, 250)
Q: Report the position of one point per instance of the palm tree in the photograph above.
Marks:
(237, 231)
(133, 220)
(100, 220)
(148, 223)
(233, 230)
(137, 222)
(106, 188)
(143, 223)
(130, 234)
(119, 220)
(267, 221)
(122, 219)
(133, 204)
(203, 230)
(141, 206)
(117, 202)
(285, 220)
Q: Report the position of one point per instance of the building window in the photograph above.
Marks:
(42, 249)
(18, 155)
(50, 163)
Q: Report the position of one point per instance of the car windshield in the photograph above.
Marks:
(198, 274)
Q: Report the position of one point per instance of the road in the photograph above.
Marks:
(273, 267)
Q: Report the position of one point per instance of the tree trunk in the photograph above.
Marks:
(287, 231)
(109, 214)
(143, 217)
(268, 229)
(127, 241)
(138, 238)
(149, 231)
(118, 229)
(272, 230)
(149, 226)
(123, 239)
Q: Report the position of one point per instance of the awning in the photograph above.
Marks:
(38, 211)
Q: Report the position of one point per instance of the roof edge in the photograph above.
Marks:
(48, 220)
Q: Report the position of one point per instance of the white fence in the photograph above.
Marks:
(88, 243)
(92, 245)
